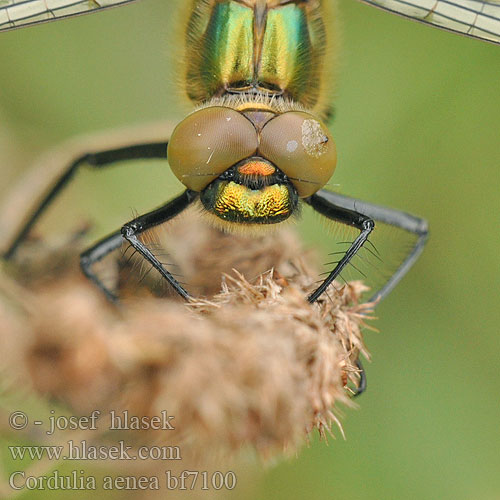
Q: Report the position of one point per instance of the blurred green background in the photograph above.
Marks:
(418, 128)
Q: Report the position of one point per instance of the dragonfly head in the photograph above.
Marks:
(248, 169)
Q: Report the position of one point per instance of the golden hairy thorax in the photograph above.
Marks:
(278, 47)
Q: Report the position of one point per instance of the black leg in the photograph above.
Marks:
(362, 379)
(134, 228)
(95, 254)
(328, 204)
(345, 216)
(96, 159)
(349, 217)
(362, 215)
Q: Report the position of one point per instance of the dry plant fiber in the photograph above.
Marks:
(253, 365)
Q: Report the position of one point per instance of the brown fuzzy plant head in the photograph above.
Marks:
(252, 364)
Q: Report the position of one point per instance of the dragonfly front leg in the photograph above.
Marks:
(345, 216)
(396, 218)
(133, 229)
(362, 215)
(130, 233)
(352, 218)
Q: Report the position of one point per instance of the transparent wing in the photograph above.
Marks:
(475, 18)
(18, 13)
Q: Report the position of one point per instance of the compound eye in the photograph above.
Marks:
(301, 147)
(207, 143)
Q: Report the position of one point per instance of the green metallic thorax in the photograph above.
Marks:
(270, 46)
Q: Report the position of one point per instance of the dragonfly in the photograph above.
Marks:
(257, 146)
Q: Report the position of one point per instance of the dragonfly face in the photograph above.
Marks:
(252, 150)
(251, 165)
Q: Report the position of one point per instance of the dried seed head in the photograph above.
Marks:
(254, 364)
